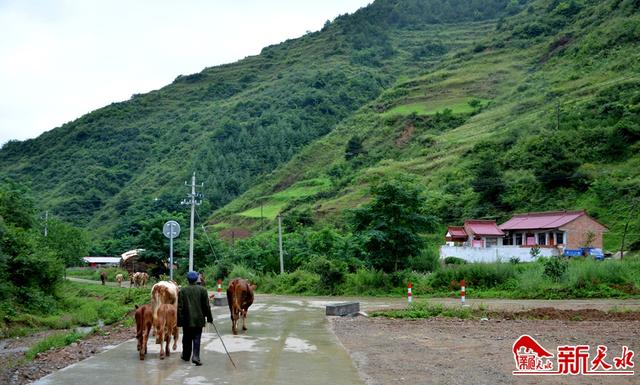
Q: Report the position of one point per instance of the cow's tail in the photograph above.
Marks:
(155, 303)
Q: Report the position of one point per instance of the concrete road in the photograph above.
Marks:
(288, 342)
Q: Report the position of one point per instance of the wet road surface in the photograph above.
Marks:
(288, 342)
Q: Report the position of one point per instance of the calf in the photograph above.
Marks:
(239, 297)
(103, 276)
(166, 325)
(119, 279)
(144, 320)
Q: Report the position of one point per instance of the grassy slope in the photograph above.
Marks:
(522, 80)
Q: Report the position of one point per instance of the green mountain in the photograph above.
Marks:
(495, 106)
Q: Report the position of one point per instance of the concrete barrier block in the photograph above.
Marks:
(220, 301)
(342, 309)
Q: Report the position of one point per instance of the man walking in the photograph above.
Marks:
(193, 308)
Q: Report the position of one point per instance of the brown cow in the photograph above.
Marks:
(103, 276)
(239, 297)
(144, 320)
(166, 325)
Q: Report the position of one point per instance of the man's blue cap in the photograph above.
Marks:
(192, 276)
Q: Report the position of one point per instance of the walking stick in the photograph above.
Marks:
(223, 345)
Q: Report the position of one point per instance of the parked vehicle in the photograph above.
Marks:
(594, 252)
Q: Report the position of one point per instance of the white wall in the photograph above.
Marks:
(493, 254)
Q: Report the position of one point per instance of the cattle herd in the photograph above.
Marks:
(161, 313)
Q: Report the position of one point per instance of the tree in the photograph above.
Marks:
(354, 148)
(68, 243)
(390, 226)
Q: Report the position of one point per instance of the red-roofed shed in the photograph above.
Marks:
(456, 235)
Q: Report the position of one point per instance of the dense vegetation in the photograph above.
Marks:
(369, 137)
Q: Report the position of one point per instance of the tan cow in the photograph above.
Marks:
(166, 325)
(140, 279)
(119, 279)
(164, 292)
(144, 320)
(239, 297)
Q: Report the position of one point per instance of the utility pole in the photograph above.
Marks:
(626, 226)
(191, 200)
(46, 223)
(280, 243)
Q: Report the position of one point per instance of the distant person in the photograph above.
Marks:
(201, 281)
(193, 308)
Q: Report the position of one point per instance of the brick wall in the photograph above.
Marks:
(577, 232)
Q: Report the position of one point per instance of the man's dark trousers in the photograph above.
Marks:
(191, 342)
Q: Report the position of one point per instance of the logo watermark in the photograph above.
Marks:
(532, 359)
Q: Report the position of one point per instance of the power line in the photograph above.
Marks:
(207, 236)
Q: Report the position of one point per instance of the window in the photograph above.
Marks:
(559, 238)
(542, 238)
(507, 240)
(518, 239)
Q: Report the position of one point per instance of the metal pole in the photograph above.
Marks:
(280, 243)
(193, 205)
(223, 345)
(171, 252)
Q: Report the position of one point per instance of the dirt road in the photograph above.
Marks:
(451, 351)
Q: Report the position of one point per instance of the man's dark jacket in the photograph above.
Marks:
(193, 306)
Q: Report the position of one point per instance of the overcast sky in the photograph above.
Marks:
(60, 59)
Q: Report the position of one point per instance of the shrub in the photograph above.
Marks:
(454, 261)
(588, 273)
(555, 267)
(241, 271)
(428, 260)
(475, 275)
(331, 272)
(367, 282)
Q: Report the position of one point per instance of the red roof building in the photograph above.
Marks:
(565, 229)
(456, 234)
(476, 233)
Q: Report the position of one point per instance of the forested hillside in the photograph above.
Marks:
(493, 106)
(540, 112)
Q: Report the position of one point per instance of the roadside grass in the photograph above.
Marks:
(57, 340)
(94, 274)
(426, 310)
(77, 304)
